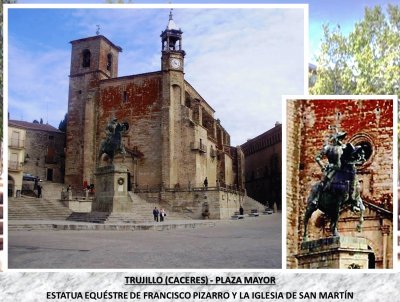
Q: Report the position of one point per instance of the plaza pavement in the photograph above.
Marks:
(252, 243)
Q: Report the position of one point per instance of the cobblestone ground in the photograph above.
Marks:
(250, 243)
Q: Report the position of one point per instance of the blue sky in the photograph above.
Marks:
(343, 12)
(240, 60)
(269, 55)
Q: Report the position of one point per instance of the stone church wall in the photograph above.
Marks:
(36, 147)
(221, 205)
(136, 100)
(263, 161)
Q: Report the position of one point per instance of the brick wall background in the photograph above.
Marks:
(366, 122)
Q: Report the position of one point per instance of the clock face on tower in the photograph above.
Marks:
(175, 63)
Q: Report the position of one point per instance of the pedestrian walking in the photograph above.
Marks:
(162, 215)
(155, 214)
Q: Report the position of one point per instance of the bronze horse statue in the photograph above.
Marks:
(341, 191)
(113, 143)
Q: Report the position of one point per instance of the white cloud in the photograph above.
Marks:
(243, 63)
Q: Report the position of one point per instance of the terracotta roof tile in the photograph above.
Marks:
(33, 126)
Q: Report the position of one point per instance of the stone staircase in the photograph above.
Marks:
(51, 208)
(249, 204)
(51, 190)
(28, 208)
(143, 212)
(94, 217)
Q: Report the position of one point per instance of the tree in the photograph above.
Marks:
(63, 124)
(367, 61)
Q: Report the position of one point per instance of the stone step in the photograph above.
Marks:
(94, 217)
(160, 226)
(250, 204)
(36, 209)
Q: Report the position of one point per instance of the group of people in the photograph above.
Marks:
(159, 214)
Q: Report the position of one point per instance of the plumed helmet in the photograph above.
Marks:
(340, 135)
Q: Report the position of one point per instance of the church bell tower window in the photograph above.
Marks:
(109, 61)
(86, 58)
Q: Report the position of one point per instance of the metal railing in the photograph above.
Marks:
(198, 146)
(14, 165)
(189, 188)
(213, 152)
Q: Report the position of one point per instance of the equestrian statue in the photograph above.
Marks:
(338, 187)
(113, 143)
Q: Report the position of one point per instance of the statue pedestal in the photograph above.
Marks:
(334, 252)
(111, 190)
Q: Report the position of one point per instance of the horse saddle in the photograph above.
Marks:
(341, 182)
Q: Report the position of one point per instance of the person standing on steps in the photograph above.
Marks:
(206, 183)
(241, 211)
(155, 214)
(39, 191)
(162, 214)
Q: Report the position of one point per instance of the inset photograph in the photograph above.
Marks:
(339, 196)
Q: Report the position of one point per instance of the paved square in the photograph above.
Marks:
(254, 243)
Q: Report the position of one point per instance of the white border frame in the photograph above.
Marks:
(394, 99)
(6, 7)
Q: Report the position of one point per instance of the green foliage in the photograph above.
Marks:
(367, 61)
(63, 124)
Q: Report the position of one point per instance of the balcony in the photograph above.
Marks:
(14, 165)
(198, 146)
(16, 143)
(213, 152)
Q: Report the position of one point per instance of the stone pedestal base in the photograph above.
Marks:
(111, 190)
(334, 252)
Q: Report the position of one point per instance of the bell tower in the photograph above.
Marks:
(171, 47)
(92, 59)
(173, 92)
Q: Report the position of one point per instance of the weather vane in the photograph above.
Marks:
(98, 30)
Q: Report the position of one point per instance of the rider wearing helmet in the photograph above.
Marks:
(333, 152)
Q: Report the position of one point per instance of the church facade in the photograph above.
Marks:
(173, 140)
